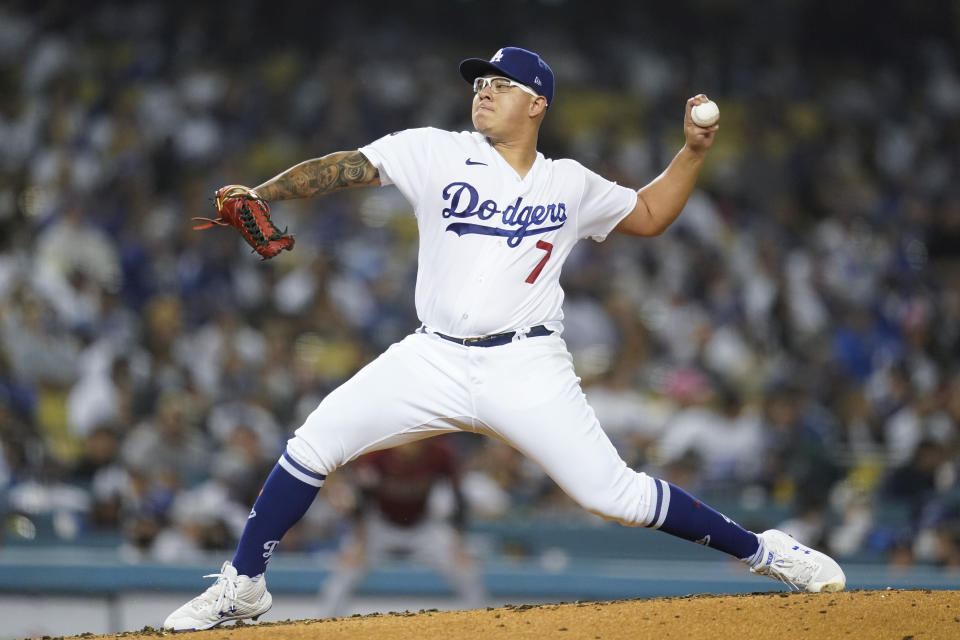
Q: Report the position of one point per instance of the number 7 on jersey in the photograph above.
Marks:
(546, 246)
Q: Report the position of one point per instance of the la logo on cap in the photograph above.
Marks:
(497, 57)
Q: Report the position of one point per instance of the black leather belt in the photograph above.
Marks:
(496, 339)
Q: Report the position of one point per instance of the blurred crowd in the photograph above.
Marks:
(793, 340)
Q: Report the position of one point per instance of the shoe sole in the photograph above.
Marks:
(220, 622)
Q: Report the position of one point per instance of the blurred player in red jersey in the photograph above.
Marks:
(393, 519)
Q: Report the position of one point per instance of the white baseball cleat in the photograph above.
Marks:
(232, 597)
(801, 567)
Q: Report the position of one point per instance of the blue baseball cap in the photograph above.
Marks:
(514, 63)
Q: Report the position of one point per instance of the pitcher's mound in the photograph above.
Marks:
(897, 614)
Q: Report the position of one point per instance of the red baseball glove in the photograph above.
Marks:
(241, 208)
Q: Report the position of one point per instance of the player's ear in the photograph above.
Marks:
(538, 106)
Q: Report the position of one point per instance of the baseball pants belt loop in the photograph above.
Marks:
(493, 340)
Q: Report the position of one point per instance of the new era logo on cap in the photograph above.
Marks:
(514, 63)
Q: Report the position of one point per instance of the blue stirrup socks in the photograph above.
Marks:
(286, 495)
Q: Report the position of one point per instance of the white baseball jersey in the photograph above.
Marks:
(492, 243)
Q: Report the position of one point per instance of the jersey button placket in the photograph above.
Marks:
(478, 297)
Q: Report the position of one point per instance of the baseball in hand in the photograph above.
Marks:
(705, 114)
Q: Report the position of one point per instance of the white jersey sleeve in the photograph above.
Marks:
(603, 205)
(403, 159)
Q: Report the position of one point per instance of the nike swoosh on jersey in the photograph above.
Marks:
(473, 162)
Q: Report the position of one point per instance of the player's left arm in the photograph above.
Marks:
(660, 202)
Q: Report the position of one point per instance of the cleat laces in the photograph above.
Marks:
(223, 590)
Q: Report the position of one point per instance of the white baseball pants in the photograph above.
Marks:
(525, 393)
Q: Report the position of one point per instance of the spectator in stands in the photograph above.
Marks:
(172, 441)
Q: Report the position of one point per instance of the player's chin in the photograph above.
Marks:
(480, 123)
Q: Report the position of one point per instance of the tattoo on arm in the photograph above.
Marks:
(320, 176)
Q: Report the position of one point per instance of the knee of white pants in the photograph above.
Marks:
(631, 500)
(302, 453)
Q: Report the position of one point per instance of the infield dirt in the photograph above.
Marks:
(897, 614)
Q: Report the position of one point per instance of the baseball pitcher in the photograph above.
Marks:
(496, 221)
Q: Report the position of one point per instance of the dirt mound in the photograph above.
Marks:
(899, 614)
